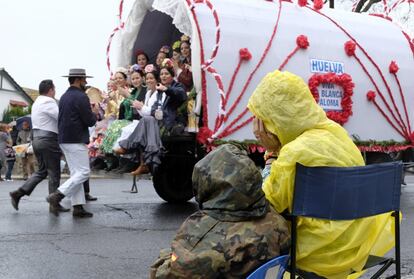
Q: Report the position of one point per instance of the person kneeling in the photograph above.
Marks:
(234, 232)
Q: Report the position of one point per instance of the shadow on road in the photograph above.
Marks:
(166, 210)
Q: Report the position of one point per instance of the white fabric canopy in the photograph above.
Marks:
(250, 24)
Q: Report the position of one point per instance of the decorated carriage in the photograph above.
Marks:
(359, 69)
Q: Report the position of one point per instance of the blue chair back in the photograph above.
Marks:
(260, 272)
(338, 193)
(346, 193)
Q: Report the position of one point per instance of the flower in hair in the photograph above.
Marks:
(149, 68)
(176, 45)
(165, 49)
(135, 68)
(122, 70)
(167, 63)
(185, 38)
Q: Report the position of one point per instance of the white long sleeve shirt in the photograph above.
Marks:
(150, 99)
(45, 112)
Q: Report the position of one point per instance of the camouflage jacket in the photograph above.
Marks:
(207, 248)
(235, 232)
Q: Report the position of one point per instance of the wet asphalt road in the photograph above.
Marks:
(120, 241)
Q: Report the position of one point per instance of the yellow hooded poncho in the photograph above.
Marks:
(329, 248)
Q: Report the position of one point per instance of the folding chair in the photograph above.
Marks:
(347, 193)
(260, 272)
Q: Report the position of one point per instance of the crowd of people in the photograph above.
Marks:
(162, 91)
(11, 137)
(119, 130)
(239, 225)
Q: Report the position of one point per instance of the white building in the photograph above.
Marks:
(11, 94)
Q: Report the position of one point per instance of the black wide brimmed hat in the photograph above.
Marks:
(78, 73)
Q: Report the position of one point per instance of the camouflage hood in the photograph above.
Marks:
(228, 185)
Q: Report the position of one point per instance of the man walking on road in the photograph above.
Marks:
(45, 145)
(76, 114)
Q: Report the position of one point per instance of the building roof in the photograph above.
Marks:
(31, 92)
(18, 103)
(19, 89)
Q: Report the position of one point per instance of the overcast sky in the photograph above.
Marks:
(42, 39)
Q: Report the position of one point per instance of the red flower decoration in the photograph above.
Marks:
(393, 67)
(302, 41)
(245, 54)
(204, 134)
(345, 81)
(350, 48)
(371, 95)
(302, 3)
(317, 4)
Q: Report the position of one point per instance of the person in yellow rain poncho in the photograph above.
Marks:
(290, 122)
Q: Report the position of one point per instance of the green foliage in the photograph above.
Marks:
(11, 113)
(358, 142)
(383, 143)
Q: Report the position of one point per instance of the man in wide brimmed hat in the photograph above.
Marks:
(76, 114)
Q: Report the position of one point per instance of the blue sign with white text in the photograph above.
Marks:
(326, 66)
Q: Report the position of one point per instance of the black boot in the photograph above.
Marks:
(88, 197)
(129, 166)
(80, 212)
(15, 198)
(54, 200)
(60, 209)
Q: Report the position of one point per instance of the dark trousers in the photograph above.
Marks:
(10, 165)
(47, 152)
(86, 187)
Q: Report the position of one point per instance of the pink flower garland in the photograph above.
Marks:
(371, 95)
(345, 81)
(393, 68)
(317, 4)
(302, 3)
(350, 48)
(302, 42)
(245, 54)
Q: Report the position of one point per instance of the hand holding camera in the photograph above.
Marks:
(161, 87)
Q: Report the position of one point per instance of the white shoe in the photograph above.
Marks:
(9, 180)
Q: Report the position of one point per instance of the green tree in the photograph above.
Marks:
(11, 113)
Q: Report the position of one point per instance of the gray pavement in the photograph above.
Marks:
(121, 240)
